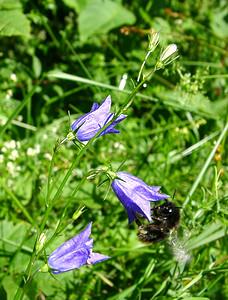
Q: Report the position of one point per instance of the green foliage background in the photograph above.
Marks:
(168, 139)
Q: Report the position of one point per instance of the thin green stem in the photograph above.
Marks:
(205, 166)
(19, 205)
(17, 110)
(143, 64)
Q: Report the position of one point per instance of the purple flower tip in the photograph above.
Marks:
(135, 195)
(75, 253)
(90, 123)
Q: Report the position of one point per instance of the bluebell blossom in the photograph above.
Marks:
(135, 195)
(75, 253)
(90, 123)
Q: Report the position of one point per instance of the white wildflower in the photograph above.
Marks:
(123, 82)
(168, 52)
(13, 77)
(118, 146)
(10, 144)
(47, 156)
(37, 148)
(11, 167)
(3, 120)
(14, 155)
(41, 242)
(20, 118)
(31, 151)
(4, 150)
(1, 158)
(9, 94)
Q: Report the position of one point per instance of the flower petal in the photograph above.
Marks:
(110, 128)
(94, 107)
(69, 261)
(95, 258)
(132, 203)
(88, 130)
(135, 195)
(135, 185)
(87, 125)
(74, 244)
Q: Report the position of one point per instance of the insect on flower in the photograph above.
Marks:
(75, 253)
(165, 217)
(135, 195)
(87, 126)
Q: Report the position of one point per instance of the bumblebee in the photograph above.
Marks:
(165, 217)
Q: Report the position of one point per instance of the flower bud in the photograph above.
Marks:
(168, 53)
(153, 41)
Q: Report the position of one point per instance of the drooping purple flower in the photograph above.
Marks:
(90, 123)
(135, 195)
(75, 253)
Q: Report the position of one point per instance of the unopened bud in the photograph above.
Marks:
(168, 52)
(153, 41)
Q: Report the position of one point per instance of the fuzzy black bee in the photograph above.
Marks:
(165, 217)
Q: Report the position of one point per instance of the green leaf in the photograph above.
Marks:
(77, 5)
(9, 286)
(37, 67)
(197, 103)
(10, 4)
(13, 22)
(218, 22)
(211, 233)
(98, 17)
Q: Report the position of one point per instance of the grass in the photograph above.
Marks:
(175, 137)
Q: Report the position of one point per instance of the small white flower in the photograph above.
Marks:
(54, 129)
(9, 94)
(123, 82)
(168, 52)
(119, 146)
(10, 144)
(20, 118)
(14, 155)
(1, 158)
(13, 77)
(47, 156)
(3, 120)
(4, 150)
(37, 148)
(31, 152)
(11, 167)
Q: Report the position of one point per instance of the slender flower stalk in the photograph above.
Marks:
(153, 43)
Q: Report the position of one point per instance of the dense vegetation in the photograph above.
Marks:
(56, 59)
